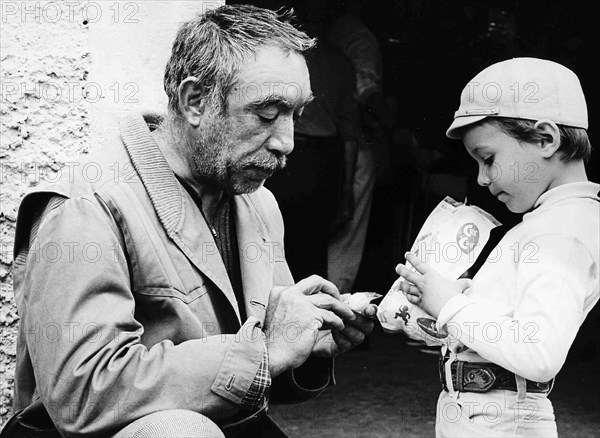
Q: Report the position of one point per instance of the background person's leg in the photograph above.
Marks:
(345, 249)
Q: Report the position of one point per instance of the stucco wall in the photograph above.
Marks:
(67, 71)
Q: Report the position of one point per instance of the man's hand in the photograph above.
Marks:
(333, 342)
(296, 316)
(427, 288)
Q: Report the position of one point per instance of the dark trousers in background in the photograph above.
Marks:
(307, 191)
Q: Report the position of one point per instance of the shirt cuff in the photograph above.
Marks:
(244, 367)
(452, 307)
(257, 393)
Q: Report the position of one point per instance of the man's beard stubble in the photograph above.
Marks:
(213, 155)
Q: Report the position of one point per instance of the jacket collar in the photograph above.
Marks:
(184, 224)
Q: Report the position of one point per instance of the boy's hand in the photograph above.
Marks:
(427, 288)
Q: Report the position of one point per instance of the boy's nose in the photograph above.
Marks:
(482, 178)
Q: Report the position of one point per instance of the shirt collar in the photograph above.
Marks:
(571, 190)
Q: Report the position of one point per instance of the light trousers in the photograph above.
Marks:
(345, 248)
(497, 413)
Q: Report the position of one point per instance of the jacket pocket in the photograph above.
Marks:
(170, 292)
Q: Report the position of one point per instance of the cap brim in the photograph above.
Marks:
(461, 122)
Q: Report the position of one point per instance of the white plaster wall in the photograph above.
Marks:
(68, 70)
(129, 52)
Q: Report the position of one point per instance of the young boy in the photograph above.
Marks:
(524, 121)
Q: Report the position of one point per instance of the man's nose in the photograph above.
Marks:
(281, 141)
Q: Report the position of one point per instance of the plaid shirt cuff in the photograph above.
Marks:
(258, 392)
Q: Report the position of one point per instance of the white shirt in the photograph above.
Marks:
(535, 289)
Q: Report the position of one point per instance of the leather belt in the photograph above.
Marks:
(485, 376)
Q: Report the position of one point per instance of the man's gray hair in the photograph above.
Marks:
(213, 46)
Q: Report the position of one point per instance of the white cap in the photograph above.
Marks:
(522, 88)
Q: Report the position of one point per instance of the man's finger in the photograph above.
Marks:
(342, 342)
(327, 302)
(353, 335)
(314, 283)
(330, 320)
(370, 311)
(361, 323)
(420, 266)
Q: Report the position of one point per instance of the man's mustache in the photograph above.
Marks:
(269, 162)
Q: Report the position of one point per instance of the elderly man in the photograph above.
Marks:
(164, 285)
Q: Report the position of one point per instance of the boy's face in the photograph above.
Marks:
(514, 172)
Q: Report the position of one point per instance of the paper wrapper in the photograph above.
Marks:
(360, 300)
(450, 241)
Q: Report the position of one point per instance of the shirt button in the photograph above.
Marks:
(229, 384)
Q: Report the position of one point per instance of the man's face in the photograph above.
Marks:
(238, 151)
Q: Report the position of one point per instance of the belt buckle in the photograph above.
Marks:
(477, 379)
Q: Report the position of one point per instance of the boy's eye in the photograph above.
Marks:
(489, 160)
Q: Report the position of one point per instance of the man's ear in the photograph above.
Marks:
(551, 134)
(192, 101)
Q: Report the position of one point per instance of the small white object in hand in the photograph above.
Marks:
(358, 301)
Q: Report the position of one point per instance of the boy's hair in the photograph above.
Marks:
(213, 46)
(574, 142)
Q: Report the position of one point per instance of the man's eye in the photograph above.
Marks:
(489, 161)
(268, 116)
